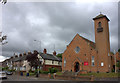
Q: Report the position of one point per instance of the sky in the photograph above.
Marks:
(53, 25)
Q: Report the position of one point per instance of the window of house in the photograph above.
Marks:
(64, 62)
(93, 61)
(58, 63)
(102, 64)
(52, 62)
(77, 49)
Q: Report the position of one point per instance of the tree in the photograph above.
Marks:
(3, 1)
(119, 50)
(33, 59)
(59, 55)
(118, 64)
(112, 53)
(2, 39)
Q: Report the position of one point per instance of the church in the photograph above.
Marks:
(84, 55)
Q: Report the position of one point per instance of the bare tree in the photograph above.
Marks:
(2, 39)
(3, 1)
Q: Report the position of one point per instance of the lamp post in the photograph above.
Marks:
(39, 42)
(115, 60)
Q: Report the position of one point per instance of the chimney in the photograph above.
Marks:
(24, 53)
(20, 55)
(29, 52)
(44, 51)
(16, 56)
(54, 53)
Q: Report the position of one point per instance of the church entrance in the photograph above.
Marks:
(76, 67)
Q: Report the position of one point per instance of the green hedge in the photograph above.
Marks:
(52, 70)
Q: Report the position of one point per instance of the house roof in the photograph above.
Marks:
(100, 16)
(49, 57)
(19, 58)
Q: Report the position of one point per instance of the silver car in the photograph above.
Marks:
(3, 75)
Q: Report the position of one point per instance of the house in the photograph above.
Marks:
(20, 63)
(85, 55)
(49, 61)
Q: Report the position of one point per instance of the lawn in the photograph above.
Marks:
(96, 74)
(101, 74)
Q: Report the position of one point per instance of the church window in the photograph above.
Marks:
(99, 29)
(64, 62)
(93, 61)
(77, 49)
(102, 64)
(99, 24)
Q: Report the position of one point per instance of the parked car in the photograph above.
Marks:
(3, 75)
(9, 73)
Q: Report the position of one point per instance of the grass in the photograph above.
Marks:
(58, 73)
(96, 74)
(101, 74)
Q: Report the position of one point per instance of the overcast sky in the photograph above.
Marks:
(54, 24)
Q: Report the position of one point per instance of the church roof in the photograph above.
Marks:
(100, 16)
(92, 44)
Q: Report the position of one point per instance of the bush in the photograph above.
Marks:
(52, 70)
(113, 70)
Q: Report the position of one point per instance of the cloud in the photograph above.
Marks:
(53, 24)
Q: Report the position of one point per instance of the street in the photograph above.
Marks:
(29, 78)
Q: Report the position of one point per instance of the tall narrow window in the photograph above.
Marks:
(93, 61)
(99, 24)
(64, 62)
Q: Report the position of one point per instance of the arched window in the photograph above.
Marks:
(99, 24)
(64, 62)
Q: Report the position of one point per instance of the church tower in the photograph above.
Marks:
(102, 42)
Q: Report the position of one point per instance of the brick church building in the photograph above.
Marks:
(83, 54)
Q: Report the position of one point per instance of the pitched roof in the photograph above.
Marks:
(101, 16)
(19, 58)
(49, 57)
(92, 44)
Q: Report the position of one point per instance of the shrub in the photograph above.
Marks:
(52, 70)
(113, 70)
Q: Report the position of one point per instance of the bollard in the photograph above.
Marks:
(49, 75)
(36, 74)
(27, 74)
(21, 74)
(92, 78)
(54, 75)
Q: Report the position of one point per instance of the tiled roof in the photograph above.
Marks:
(49, 57)
(101, 16)
(20, 58)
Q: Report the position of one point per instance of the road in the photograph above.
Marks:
(24, 78)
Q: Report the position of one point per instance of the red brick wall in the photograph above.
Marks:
(46, 67)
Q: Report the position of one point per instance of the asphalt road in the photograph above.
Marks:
(24, 78)
(33, 79)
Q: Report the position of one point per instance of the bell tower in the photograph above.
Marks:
(102, 42)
